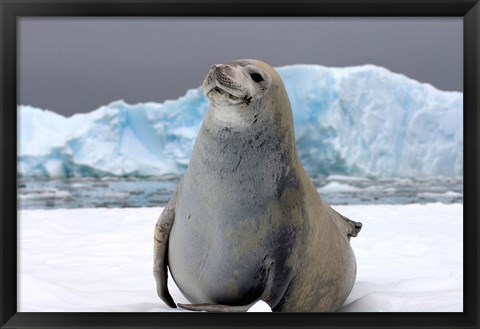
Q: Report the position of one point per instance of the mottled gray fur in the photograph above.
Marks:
(246, 223)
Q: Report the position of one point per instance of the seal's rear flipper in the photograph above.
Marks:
(353, 227)
(356, 227)
(215, 307)
(278, 278)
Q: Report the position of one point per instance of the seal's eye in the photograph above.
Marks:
(256, 77)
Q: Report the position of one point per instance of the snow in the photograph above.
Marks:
(260, 306)
(354, 121)
(100, 260)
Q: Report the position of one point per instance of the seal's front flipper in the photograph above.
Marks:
(215, 307)
(160, 254)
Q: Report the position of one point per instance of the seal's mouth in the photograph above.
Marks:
(219, 91)
(226, 94)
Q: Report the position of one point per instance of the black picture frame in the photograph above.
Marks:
(10, 10)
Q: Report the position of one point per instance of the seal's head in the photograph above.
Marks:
(240, 91)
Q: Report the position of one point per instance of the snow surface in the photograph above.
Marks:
(100, 260)
(362, 120)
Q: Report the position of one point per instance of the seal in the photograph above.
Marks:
(246, 223)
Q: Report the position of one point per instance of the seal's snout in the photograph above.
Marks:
(220, 69)
(215, 68)
(224, 83)
(225, 75)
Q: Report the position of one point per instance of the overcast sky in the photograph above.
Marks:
(71, 65)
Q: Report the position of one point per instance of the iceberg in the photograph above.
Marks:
(361, 121)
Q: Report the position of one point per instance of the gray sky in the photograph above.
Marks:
(71, 65)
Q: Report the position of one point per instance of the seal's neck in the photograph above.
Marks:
(230, 117)
(254, 144)
(255, 160)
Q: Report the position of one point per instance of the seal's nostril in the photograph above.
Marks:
(221, 67)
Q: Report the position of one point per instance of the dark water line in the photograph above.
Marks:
(114, 192)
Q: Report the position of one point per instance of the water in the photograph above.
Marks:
(113, 192)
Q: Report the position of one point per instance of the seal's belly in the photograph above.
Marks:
(207, 270)
(222, 232)
(215, 257)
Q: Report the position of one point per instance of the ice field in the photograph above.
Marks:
(100, 260)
